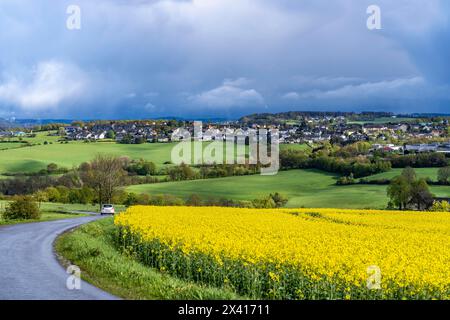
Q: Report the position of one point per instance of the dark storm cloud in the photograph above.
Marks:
(221, 58)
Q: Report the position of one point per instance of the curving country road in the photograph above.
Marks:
(28, 266)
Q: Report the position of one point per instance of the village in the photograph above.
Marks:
(393, 136)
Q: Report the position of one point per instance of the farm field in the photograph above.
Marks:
(307, 188)
(384, 120)
(421, 173)
(32, 159)
(295, 253)
(10, 145)
(16, 142)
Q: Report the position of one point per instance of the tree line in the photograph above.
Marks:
(358, 166)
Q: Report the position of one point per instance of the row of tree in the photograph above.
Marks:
(359, 166)
(419, 160)
(352, 159)
(443, 178)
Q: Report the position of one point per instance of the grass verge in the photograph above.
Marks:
(91, 247)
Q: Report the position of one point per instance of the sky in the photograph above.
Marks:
(221, 58)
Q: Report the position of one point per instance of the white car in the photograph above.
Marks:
(107, 209)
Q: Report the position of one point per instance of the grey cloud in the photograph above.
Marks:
(230, 94)
(175, 55)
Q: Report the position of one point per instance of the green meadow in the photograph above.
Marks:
(37, 157)
(31, 159)
(421, 173)
(383, 120)
(304, 188)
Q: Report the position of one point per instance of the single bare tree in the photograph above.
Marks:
(105, 175)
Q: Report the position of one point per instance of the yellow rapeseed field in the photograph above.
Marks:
(296, 253)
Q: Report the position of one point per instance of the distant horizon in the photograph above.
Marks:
(412, 115)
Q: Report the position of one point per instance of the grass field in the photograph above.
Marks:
(16, 142)
(307, 188)
(10, 145)
(383, 120)
(32, 159)
(421, 173)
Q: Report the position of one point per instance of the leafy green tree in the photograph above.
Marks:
(127, 139)
(110, 134)
(409, 174)
(142, 168)
(444, 175)
(406, 190)
(421, 195)
(399, 191)
(181, 172)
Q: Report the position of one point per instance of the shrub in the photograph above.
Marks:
(52, 194)
(131, 199)
(279, 199)
(142, 168)
(52, 167)
(22, 208)
(440, 206)
(194, 200)
(343, 181)
(264, 203)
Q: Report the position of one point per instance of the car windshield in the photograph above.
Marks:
(107, 206)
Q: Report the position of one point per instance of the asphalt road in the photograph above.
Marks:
(29, 269)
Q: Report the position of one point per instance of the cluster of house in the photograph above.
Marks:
(347, 132)
(117, 131)
(310, 130)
